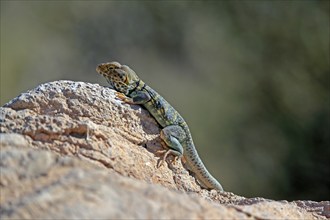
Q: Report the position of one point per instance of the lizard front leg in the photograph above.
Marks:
(173, 136)
(137, 97)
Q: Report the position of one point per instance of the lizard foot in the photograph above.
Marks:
(166, 153)
(123, 97)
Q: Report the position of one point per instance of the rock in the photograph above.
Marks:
(72, 188)
(71, 150)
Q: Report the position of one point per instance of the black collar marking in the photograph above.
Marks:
(137, 85)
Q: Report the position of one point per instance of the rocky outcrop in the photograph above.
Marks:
(71, 150)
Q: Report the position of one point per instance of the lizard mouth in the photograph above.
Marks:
(100, 68)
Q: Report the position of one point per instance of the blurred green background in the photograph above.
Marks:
(251, 78)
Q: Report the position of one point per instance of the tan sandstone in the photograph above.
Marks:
(71, 150)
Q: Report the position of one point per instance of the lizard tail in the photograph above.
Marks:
(198, 168)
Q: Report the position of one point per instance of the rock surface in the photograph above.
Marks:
(71, 150)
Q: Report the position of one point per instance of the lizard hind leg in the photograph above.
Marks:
(172, 135)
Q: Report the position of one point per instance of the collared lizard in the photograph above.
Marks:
(175, 133)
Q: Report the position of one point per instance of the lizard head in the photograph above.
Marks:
(120, 77)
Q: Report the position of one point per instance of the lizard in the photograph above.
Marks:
(175, 132)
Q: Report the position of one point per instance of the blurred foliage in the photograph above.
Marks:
(251, 78)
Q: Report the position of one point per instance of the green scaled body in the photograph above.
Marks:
(175, 132)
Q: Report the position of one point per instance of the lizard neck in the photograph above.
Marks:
(139, 85)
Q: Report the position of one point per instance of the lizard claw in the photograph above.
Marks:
(122, 97)
(166, 153)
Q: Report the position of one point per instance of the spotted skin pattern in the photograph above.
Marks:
(175, 133)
